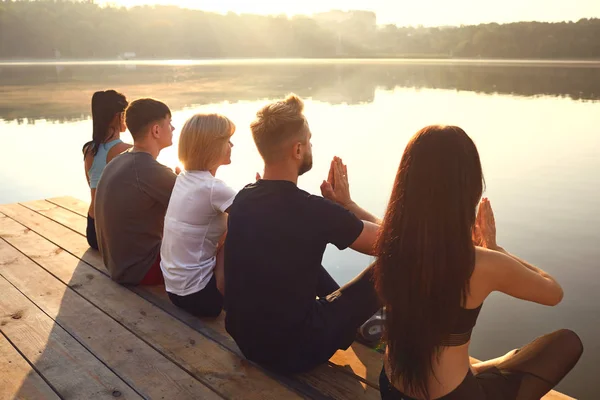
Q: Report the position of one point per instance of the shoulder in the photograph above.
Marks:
(245, 193)
(490, 268)
(485, 260)
(181, 189)
(309, 204)
(479, 283)
(321, 203)
(488, 260)
(220, 186)
(118, 149)
(117, 167)
(219, 183)
(145, 161)
(88, 160)
(87, 148)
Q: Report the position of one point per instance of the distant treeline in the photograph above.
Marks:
(62, 93)
(67, 29)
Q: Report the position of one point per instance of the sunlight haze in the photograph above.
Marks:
(403, 13)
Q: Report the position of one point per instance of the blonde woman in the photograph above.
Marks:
(196, 219)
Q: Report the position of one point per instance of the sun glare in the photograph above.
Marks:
(427, 13)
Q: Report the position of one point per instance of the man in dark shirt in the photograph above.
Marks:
(283, 309)
(132, 198)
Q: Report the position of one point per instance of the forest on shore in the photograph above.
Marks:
(49, 29)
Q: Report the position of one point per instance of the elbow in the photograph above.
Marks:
(368, 250)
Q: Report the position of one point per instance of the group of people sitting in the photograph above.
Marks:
(257, 253)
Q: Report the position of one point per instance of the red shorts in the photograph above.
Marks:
(154, 275)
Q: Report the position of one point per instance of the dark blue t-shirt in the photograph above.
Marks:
(275, 242)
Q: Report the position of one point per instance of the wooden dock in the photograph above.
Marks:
(69, 332)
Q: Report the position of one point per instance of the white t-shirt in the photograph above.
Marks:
(194, 224)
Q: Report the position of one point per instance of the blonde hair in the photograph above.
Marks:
(202, 141)
(277, 124)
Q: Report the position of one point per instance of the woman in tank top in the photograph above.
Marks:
(108, 120)
(438, 261)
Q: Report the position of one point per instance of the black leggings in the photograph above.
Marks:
(90, 233)
(208, 302)
(527, 375)
(333, 324)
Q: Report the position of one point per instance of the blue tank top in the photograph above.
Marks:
(100, 162)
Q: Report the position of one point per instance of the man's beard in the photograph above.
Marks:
(306, 165)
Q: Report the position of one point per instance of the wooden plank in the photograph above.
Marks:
(71, 369)
(326, 380)
(358, 360)
(158, 296)
(63, 237)
(365, 363)
(149, 372)
(371, 359)
(72, 204)
(17, 379)
(61, 215)
(214, 365)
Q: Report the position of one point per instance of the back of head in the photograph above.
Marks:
(105, 106)
(141, 113)
(277, 125)
(425, 251)
(202, 141)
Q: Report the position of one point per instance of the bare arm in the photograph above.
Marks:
(527, 265)
(363, 214)
(521, 280)
(87, 164)
(508, 273)
(337, 188)
(365, 243)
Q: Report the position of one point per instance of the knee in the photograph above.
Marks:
(213, 312)
(570, 343)
(92, 242)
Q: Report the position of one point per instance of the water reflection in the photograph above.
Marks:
(538, 140)
(61, 93)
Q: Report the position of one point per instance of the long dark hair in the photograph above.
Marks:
(425, 251)
(105, 105)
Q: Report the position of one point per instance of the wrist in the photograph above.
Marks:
(347, 204)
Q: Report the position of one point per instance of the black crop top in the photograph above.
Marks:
(461, 333)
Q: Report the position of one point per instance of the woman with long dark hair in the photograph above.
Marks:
(108, 120)
(437, 262)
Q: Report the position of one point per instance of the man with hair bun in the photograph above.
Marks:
(284, 310)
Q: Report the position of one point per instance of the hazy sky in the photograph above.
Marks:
(403, 12)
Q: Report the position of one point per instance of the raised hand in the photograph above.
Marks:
(484, 234)
(336, 187)
(327, 187)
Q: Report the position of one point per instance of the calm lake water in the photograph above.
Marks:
(537, 128)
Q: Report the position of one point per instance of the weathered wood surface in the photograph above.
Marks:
(17, 379)
(127, 342)
(64, 362)
(203, 358)
(359, 361)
